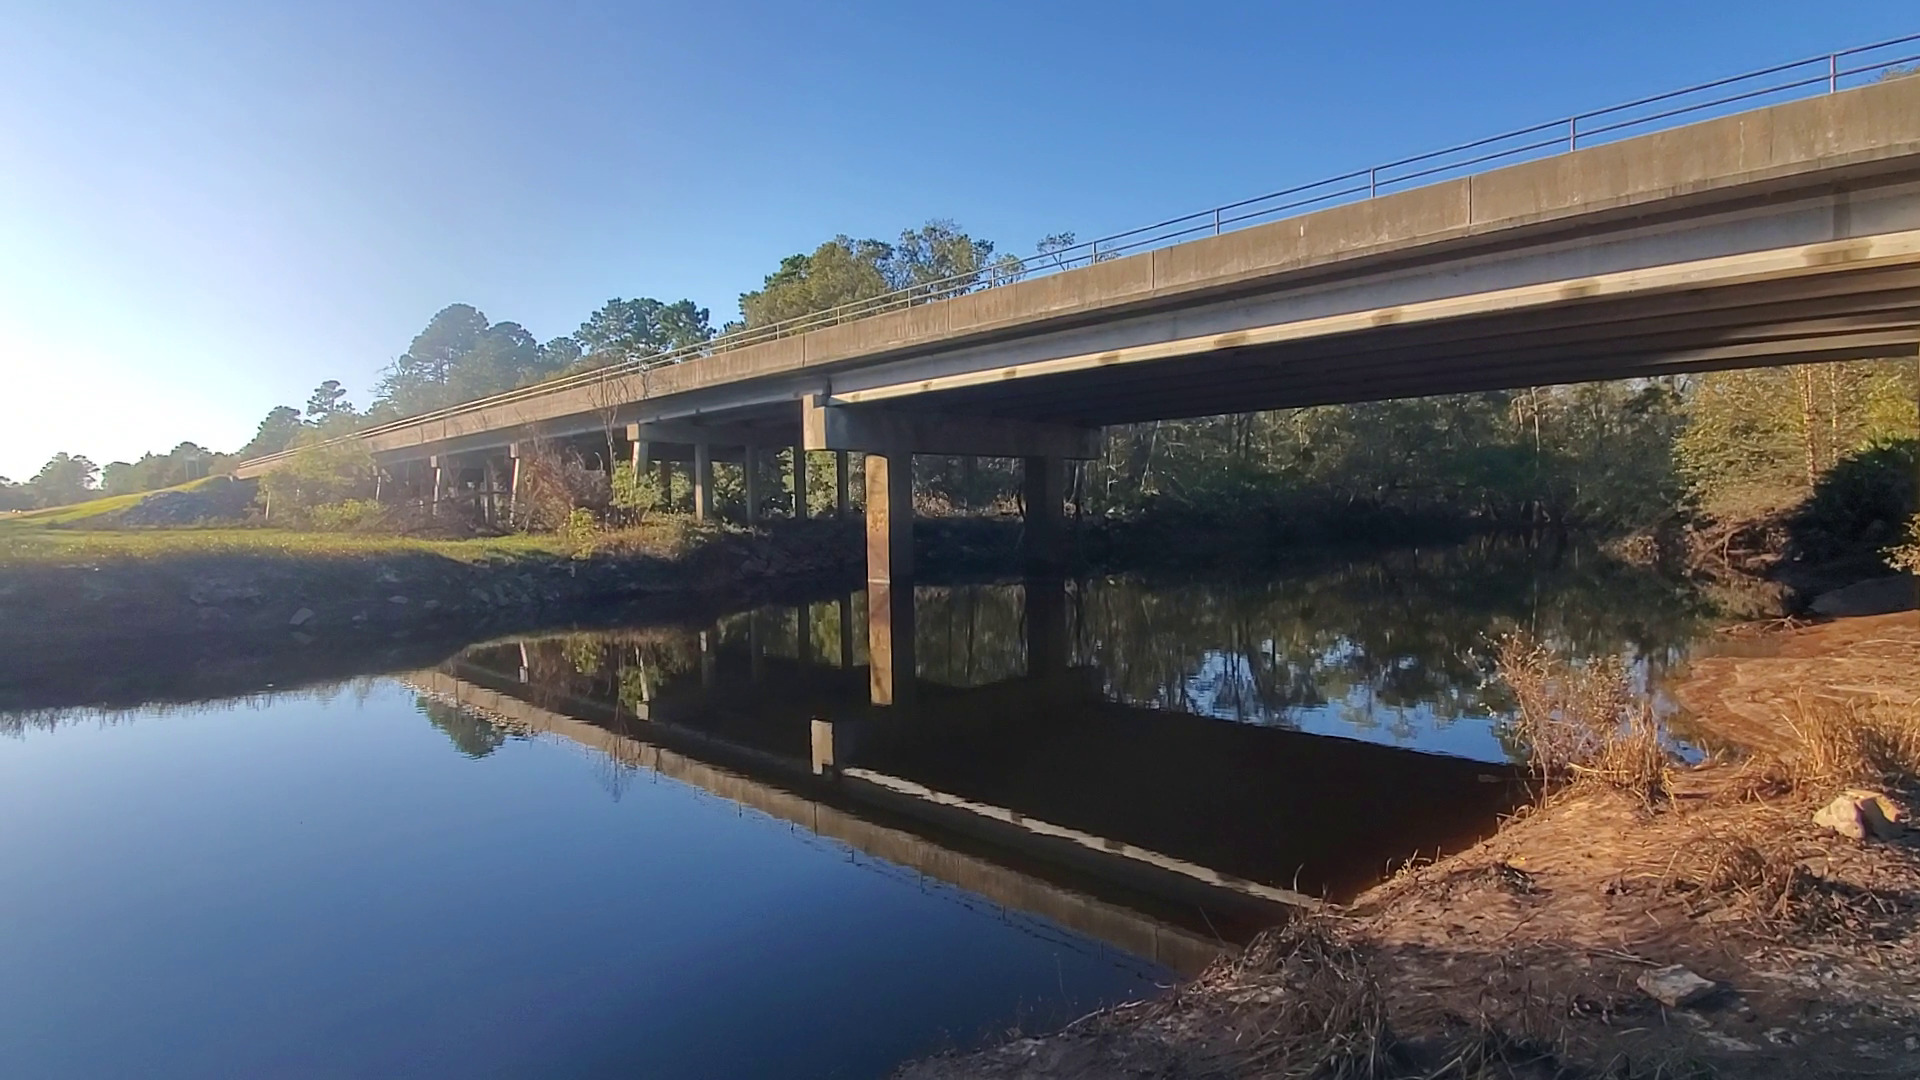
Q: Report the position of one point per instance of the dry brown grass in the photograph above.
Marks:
(1855, 740)
(1583, 722)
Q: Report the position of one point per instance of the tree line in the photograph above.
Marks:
(1609, 456)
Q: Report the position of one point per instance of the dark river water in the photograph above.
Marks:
(703, 850)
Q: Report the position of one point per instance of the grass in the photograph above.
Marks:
(1858, 740)
(1584, 723)
(78, 513)
(63, 535)
(47, 546)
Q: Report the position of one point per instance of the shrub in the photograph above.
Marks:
(553, 484)
(316, 476)
(1907, 556)
(634, 493)
(350, 515)
(1583, 722)
(1862, 502)
(580, 529)
(1856, 741)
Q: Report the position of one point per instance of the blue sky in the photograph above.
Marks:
(206, 209)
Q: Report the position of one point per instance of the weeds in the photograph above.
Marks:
(1583, 722)
(1870, 741)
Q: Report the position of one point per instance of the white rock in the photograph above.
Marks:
(1675, 986)
(301, 617)
(1859, 815)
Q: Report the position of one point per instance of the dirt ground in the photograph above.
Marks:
(1745, 693)
(1520, 957)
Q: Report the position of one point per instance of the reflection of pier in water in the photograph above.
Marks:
(1158, 832)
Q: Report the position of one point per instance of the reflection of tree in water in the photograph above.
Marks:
(969, 635)
(1395, 644)
(471, 735)
(1380, 639)
(1391, 642)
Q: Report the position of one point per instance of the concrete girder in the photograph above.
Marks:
(879, 431)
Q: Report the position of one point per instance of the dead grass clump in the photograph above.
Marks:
(1583, 722)
(1772, 876)
(1302, 1002)
(1754, 876)
(1857, 740)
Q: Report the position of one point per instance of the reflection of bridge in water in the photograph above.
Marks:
(1158, 832)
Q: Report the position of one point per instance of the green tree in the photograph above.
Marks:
(838, 272)
(940, 256)
(64, 479)
(461, 356)
(276, 432)
(318, 474)
(187, 461)
(560, 354)
(1762, 437)
(627, 330)
(329, 399)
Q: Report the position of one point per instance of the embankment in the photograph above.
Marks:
(121, 630)
(1533, 954)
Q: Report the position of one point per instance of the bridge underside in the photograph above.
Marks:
(1860, 314)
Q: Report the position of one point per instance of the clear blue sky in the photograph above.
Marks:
(207, 209)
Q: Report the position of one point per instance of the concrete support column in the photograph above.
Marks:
(890, 656)
(890, 664)
(437, 469)
(821, 735)
(491, 478)
(799, 483)
(513, 484)
(702, 481)
(1046, 629)
(750, 460)
(666, 484)
(803, 633)
(841, 483)
(889, 517)
(1044, 490)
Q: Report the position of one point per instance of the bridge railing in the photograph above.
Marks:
(1827, 73)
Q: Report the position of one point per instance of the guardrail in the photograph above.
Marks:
(1826, 73)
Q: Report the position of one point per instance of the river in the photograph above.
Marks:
(700, 849)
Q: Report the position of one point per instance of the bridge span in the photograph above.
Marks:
(1784, 234)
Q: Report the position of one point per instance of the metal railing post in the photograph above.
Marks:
(1373, 182)
(1573, 133)
(1833, 72)
(1216, 221)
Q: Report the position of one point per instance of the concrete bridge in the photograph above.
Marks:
(1785, 234)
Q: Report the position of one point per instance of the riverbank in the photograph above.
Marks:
(102, 618)
(1525, 956)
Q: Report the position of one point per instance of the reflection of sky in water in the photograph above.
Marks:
(1217, 689)
(1223, 687)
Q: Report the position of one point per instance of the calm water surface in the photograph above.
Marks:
(702, 850)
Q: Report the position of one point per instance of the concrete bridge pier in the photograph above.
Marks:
(750, 480)
(443, 471)
(891, 438)
(702, 481)
(1047, 627)
(515, 451)
(840, 483)
(802, 479)
(1044, 494)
